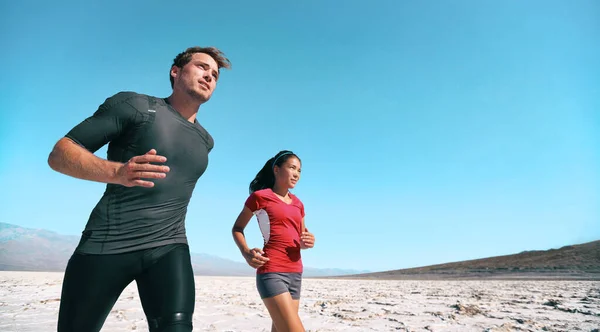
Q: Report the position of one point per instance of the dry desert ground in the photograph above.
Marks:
(29, 301)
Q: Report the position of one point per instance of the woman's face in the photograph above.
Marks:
(288, 174)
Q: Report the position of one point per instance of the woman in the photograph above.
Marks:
(280, 216)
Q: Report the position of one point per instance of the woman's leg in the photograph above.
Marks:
(281, 294)
(284, 313)
(296, 304)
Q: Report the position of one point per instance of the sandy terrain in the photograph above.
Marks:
(29, 302)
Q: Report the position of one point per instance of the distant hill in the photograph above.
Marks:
(34, 250)
(580, 261)
(26, 249)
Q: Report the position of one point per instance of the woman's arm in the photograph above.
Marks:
(307, 238)
(254, 257)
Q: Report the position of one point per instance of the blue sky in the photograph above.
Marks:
(429, 131)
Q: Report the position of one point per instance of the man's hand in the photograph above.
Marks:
(307, 240)
(254, 257)
(137, 168)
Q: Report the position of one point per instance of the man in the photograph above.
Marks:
(157, 151)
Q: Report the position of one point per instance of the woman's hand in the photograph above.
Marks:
(307, 240)
(254, 257)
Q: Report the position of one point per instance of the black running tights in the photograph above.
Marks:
(164, 278)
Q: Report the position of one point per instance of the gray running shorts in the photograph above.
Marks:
(275, 283)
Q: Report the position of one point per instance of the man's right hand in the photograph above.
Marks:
(133, 172)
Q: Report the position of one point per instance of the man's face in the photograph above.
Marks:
(198, 78)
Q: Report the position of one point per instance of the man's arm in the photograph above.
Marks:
(71, 159)
(73, 155)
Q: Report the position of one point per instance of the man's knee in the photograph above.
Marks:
(178, 321)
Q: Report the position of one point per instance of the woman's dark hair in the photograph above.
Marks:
(266, 177)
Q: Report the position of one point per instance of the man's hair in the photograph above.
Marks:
(184, 58)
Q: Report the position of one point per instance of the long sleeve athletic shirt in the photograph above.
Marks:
(132, 218)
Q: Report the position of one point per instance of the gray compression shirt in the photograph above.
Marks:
(133, 218)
